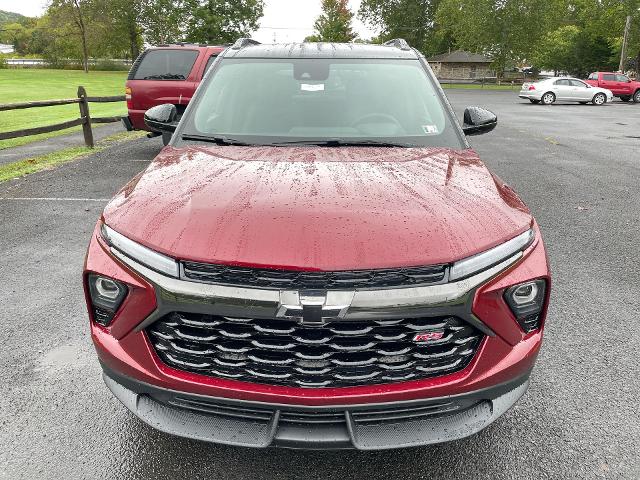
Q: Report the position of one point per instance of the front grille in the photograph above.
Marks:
(338, 353)
(298, 280)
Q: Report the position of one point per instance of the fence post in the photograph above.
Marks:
(84, 114)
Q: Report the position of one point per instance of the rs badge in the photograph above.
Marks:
(427, 337)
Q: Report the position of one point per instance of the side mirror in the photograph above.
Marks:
(162, 117)
(478, 121)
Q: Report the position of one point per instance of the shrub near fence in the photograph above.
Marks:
(85, 119)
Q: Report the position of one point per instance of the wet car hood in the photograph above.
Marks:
(317, 207)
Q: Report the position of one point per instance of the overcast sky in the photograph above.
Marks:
(287, 20)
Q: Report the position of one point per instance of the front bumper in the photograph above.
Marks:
(363, 427)
(495, 378)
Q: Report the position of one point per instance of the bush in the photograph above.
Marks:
(107, 65)
(3, 62)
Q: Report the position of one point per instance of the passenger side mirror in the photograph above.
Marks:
(478, 121)
(162, 118)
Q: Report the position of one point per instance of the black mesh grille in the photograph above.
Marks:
(338, 353)
(268, 278)
(530, 323)
(360, 415)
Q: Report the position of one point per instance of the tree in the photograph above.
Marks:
(334, 24)
(222, 21)
(557, 48)
(506, 30)
(73, 12)
(161, 21)
(413, 20)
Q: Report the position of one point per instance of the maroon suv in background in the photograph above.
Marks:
(165, 74)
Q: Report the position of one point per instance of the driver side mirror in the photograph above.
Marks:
(162, 118)
(478, 121)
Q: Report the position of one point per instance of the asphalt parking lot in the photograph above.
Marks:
(578, 169)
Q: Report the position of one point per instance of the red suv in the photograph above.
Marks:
(318, 260)
(165, 74)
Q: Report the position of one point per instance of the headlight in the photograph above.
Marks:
(141, 254)
(106, 295)
(468, 266)
(526, 301)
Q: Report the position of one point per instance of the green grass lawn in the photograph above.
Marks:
(23, 85)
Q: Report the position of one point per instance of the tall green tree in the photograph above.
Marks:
(334, 24)
(73, 17)
(413, 20)
(163, 21)
(222, 21)
(506, 30)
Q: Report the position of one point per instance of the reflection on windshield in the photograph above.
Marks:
(272, 101)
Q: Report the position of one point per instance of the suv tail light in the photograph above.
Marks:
(127, 96)
(532, 87)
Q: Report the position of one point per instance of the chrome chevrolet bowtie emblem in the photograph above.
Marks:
(314, 307)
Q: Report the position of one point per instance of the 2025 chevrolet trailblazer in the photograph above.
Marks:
(317, 260)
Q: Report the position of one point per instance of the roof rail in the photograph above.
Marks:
(400, 43)
(244, 42)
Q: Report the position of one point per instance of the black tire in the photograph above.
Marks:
(166, 137)
(534, 101)
(636, 97)
(625, 98)
(599, 99)
(548, 98)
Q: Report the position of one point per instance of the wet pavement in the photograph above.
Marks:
(577, 168)
(49, 145)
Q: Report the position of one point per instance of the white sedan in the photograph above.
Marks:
(564, 89)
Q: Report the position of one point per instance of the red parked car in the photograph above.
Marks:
(318, 260)
(165, 74)
(620, 85)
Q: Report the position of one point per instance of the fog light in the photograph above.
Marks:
(526, 301)
(107, 295)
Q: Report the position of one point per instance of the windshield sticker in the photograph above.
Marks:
(309, 87)
(430, 129)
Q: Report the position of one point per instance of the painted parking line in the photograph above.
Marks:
(55, 199)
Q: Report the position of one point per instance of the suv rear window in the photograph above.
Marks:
(166, 64)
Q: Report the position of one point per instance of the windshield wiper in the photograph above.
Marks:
(216, 140)
(337, 142)
(165, 76)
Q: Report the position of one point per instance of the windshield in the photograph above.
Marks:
(263, 101)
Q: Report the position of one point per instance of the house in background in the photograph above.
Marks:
(461, 65)
(6, 48)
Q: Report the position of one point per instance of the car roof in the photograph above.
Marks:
(186, 46)
(392, 50)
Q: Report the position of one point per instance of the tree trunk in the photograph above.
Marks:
(83, 33)
(133, 42)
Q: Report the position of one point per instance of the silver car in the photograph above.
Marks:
(564, 89)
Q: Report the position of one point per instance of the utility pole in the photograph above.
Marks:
(623, 53)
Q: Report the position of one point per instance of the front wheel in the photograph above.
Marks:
(599, 99)
(636, 97)
(548, 98)
(534, 101)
